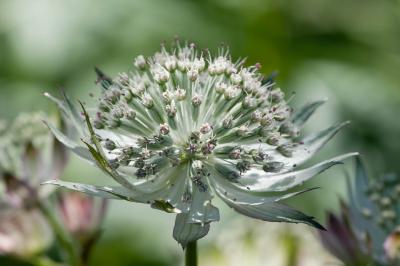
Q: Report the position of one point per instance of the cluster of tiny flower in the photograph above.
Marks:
(385, 195)
(184, 105)
(184, 126)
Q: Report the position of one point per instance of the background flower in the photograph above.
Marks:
(366, 231)
(28, 156)
(23, 233)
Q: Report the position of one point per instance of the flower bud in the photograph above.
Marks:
(145, 153)
(130, 114)
(273, 167)
(170, 64)
(385, 201)
(109, 145)
(117, 113)
(183, 65)
(140, 62)
(388, 215)
(164, 129)
(392, 245)
(193, 74)
(285, 150)
(147, 100)
(277, 95)
(98, 124)
(81, 214)
(235, 154)
(273, 138)
(230, 93)
(199, 64)
(236, 79)
(243, 166)
(171, 109)
(123, 79)
(220, 87)
(266, 120)
(242, 130)
(256, 116)
(160, 75)
(249, 102)
(167, 96)
(205, 128)
(196, 100)
(180, 94)
(227, 122)
(289, 129)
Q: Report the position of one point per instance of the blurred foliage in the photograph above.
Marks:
(347, 50)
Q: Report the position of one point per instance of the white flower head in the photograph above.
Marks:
(216, 136)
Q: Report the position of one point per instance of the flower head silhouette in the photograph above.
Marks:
(185, 126)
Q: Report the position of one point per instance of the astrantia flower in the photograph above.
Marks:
(29, 155)
(367, 231)
(82, 215)
(23, 233)
(184, 126)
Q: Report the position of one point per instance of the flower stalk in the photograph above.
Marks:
(64, 240)
(191, 254)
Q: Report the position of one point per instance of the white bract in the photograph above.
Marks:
(203, 126)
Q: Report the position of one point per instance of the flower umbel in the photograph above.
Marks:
(367, 232)
(184, 126)
(29, 155)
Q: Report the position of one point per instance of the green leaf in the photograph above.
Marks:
(256, 179)
(185, 232)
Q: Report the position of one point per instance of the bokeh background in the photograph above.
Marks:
(345, 50)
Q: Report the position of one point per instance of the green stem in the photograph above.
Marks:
(191, 254)
(62, 237)
(44, 261)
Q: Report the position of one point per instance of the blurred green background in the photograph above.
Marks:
(345, 50)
